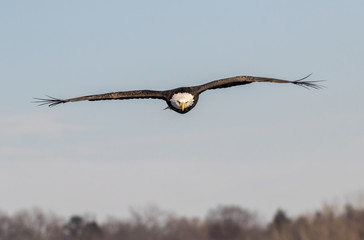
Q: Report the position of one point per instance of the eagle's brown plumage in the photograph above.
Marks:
(168, 94)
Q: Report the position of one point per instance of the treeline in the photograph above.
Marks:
(220, 223)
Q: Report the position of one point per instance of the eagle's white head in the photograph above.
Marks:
(182, 100)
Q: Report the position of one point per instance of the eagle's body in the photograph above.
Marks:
(180, 100)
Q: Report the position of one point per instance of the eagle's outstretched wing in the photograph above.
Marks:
(106, 96)
(241, 80)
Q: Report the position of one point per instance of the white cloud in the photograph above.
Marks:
(189, 187)
(27, 135)
(35, 124)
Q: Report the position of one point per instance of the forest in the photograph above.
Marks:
(220, 223)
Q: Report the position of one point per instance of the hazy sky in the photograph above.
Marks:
(261, 146)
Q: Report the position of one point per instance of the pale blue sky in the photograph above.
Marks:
(259, 146)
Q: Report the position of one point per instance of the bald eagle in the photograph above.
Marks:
(182, 99)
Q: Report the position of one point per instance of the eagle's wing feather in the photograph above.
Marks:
(241, 80)
(51, 101)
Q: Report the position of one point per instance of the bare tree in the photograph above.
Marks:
(221, 223)
(230, 222)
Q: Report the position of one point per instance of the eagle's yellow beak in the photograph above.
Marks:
(183, 106)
